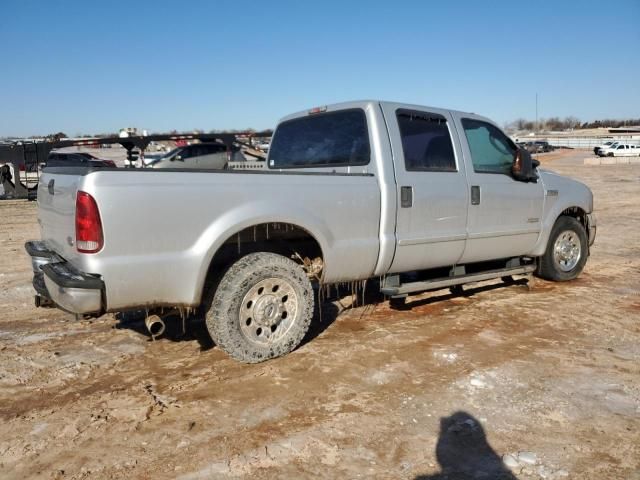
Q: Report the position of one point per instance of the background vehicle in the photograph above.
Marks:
(604, 151)
(455, 202)
(596, 150)
(538, 146)
(29, 173)
(544, 146)
(620, 149)
(76, 159)
(263, 146)
(199, 155)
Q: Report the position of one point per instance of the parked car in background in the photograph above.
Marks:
(213, 156)
(596, 150)
(620, 149)
(263, 146)
(538, 146)
(29, 172)
(77, 159)
(542, 146)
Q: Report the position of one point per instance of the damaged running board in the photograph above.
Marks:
(422, 286)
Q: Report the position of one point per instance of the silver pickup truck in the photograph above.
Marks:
(415, 198)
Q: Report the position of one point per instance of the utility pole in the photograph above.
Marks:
(537, 112)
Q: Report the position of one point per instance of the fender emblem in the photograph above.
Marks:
(50, 186)
(552, 193)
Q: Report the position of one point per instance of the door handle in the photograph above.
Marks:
(475, 195)
(406, 197)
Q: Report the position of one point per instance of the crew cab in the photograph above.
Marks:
(408, 197)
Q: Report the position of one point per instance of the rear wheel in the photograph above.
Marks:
(566, 253)
(262, 308)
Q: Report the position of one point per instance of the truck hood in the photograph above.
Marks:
(578, 192)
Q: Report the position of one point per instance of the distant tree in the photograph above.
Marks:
(571, 123)
(56, 137)
(521, 124)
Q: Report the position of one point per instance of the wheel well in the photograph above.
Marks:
(577, 213)
(285, 239)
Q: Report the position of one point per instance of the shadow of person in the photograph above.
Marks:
(464, 453)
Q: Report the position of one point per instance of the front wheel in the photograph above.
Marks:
(566, 253)
(262, 308)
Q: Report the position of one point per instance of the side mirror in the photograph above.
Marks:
(177, 157)
(523, 166)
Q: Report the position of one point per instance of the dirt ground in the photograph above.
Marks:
(502, 382)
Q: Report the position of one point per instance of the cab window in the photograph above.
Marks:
(330, 139)
(491, 150)
(426, 142)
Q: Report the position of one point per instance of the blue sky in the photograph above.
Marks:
(88, 67)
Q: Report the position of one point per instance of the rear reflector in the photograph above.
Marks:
(89, 237)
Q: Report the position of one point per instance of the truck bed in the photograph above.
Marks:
(162, 227)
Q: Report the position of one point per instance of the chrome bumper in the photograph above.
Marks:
(591, 228)
(56, 280)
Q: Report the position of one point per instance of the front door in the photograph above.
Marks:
(431, 217)
(505, 215)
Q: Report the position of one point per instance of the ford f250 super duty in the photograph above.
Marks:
(417, 198)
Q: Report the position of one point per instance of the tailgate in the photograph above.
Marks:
(56, 212)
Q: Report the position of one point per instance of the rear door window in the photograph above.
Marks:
(331, 139)
(426, 142)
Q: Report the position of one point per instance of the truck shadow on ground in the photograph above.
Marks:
(195, 327)
(459, 293)
(464, 453)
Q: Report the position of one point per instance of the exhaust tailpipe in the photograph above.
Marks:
(155, 325)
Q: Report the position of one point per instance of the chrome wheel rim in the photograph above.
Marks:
(567, 250)
(268, 310)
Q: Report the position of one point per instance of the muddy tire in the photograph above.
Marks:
(566, 253)
(262, 308)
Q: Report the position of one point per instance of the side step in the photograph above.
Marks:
(438, 283)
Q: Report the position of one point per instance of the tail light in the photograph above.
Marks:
(22, 168)
(89, 238)
(110, 163)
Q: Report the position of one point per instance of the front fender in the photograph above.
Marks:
(561, 193)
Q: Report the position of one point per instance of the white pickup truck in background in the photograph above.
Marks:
(419, 197)
(620, 149)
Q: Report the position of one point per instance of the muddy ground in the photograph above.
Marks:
(504, 381)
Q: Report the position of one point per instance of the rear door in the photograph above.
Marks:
(623, 150)
(505, 215)
(431, 217)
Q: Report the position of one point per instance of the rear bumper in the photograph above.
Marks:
(58, 281)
